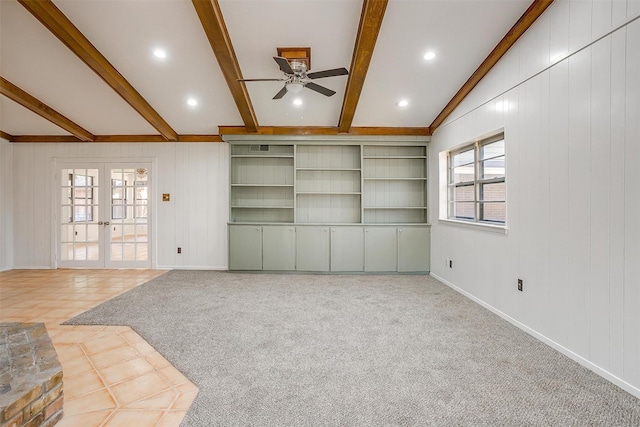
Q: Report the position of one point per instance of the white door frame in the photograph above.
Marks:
(81, 162)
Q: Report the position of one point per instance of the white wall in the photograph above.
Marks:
(195, 174)
(6, 224)
(572, 130)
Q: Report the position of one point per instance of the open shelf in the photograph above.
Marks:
(262, 156)
(326, 169)
(262, 185)
(395, 179)
(395, 157)
(327, 192)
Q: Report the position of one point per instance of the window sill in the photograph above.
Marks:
(477, 225)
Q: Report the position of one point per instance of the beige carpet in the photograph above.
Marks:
(334, 350)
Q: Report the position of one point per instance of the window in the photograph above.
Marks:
(476, 182)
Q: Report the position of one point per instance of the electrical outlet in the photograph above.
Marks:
(520, 285)
(179, 250)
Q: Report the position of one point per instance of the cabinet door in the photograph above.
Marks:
(380, 249)
(245, 247)
(312, 248)
(278, 248)
(414, 246)
(347, 249)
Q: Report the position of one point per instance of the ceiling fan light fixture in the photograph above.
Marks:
(294, 87)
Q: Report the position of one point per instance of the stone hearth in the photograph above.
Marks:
(30, 377)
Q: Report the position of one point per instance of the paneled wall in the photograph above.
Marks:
(195, 174)
(6, 236)
(572, 132)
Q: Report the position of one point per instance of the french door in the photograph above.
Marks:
(104, 218)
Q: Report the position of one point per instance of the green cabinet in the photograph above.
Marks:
(347, 249)
(381, 249)
(245, 247)
(312, 248)
(414, 249)
(278, 247)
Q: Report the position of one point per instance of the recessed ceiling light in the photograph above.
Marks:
(297, 101)
(429, 55)
(402, 103)
(192, 102)
(160, 53)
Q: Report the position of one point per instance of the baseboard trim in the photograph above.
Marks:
(32, 267)
(575, 357)
(190, 267)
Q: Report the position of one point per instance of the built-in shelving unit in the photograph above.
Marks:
(262, 184)
(395, 184)
(338, 206)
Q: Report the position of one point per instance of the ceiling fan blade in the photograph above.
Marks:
(328, 73)
(282, 93)
(261, 80)
(284, 65)
(320, 89)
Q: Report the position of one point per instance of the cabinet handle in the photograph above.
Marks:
(399, 231)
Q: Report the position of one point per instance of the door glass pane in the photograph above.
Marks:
(78, 214)
(80, 251)
(141, 251)
(116, 252)
(141, 233)
(66, 251)
(93, 231)
(129, 212)
(93, 251)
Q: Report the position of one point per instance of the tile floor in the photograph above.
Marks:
(111, 376)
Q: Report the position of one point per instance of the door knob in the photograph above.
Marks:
(106, 223)
(100, 222)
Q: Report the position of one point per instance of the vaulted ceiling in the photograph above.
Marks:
(76, 70)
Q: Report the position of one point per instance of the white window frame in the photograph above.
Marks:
(477, 183)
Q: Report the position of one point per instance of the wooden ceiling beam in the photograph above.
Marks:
(214, 27)
(526, 20)
(6, 136)
(326, 130)
(110, 138)
(18, 95)
(56, 22)
(368, 30)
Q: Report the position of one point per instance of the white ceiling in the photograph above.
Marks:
(461, 32)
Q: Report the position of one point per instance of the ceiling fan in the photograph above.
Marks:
(296, 77)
